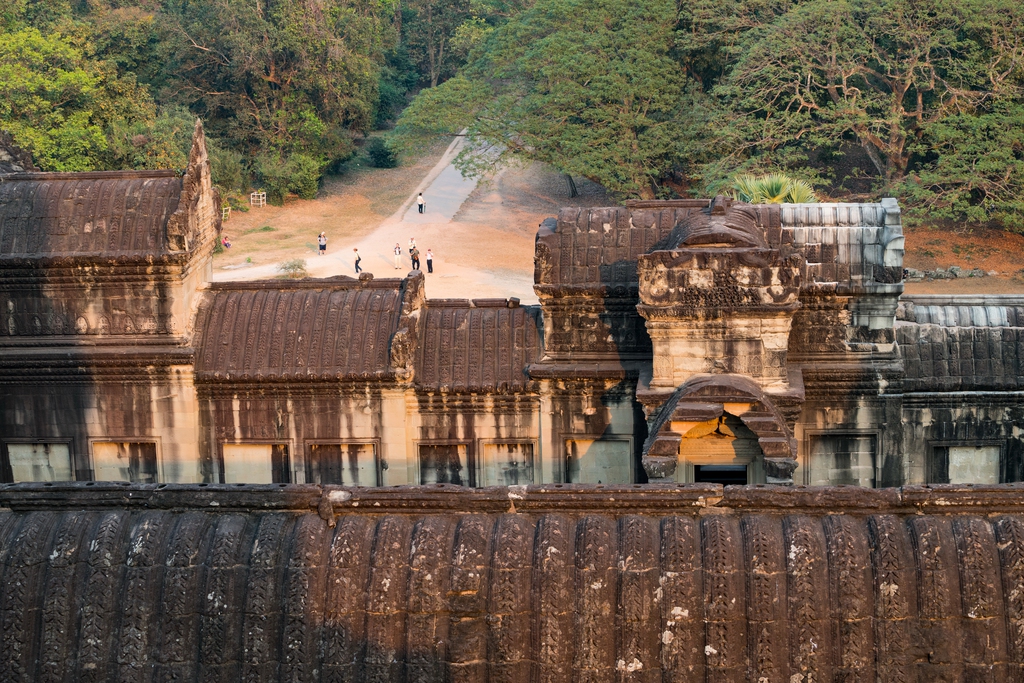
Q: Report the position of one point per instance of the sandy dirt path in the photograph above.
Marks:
(470, 259)
(482, 234)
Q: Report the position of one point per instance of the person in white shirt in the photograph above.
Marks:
(398, 255)
(430, 261)
(420, 203)
(322, 239)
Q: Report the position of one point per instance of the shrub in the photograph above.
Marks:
(380, 155)
(296, 268)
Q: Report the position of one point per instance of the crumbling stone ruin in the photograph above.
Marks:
(674, 341)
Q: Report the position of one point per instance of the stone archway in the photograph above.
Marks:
(704, 398)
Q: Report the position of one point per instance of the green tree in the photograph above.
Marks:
(275, 79)
(428, 28)
(589, 86)
(161, 142)
(59, 103)
(921, 87)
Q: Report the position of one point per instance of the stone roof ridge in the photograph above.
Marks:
(940, 358)
(962, 311)
(725, 223)
(941, 499)
(478, 346)
(492, 302)
(89, 175)
(440, 582)
(405, 340)
(838, 214)
(120, 216)
(197, 220)
(332, 282)
(597, 247)
(113, 217)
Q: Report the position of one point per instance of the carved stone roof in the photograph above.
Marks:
(726, 224)
(337, 328)
(858, 245)
(599, 247)
(483, 345)
(963, 311)
(232, 583)
(120, 214)
(940, 358)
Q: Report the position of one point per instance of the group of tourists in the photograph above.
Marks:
(414, 252)
(414, 256)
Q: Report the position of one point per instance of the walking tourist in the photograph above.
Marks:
(398, 255)
(420, 203)
(412, 244)
(430, 261)
(415, 254)
(358, 259)
(322, 239)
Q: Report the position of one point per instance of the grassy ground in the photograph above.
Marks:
(349, 205)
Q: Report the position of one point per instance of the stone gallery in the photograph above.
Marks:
(675, 341)
(209, 482)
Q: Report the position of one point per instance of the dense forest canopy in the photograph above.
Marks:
(923, 100)
(284, 87)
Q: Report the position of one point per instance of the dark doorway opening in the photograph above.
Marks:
(721, 474)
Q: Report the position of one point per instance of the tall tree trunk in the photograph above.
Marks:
(875, 157)
(431, 48)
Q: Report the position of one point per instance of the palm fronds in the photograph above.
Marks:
(774, 188)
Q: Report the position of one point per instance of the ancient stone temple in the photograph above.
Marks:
(674, 341)
(211, 482)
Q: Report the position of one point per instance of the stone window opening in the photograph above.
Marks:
(508, 463)
(343, 464)
(36, 461)
(131, 461)
(849, 459)
(597, 460)
(721, 451)
(445, 463)
(255, 463)
(727, 475)
(965, 463)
